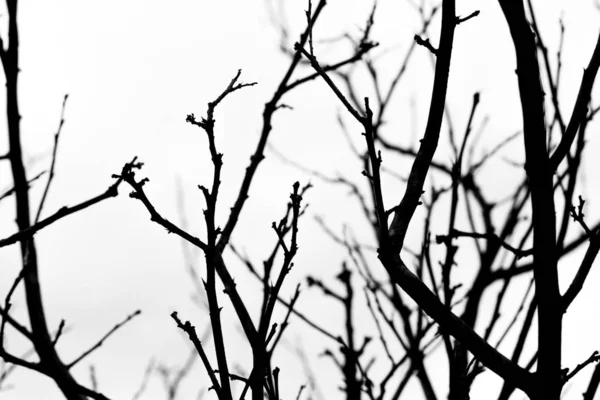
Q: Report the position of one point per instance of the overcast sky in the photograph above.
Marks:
(133, 71)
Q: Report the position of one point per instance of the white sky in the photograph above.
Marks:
(134, 70)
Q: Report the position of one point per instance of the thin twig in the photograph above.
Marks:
(188, 328)
(53, 163)
(460, 20)
(455, 233)
(595, 357)
(106, 336)
(144, 382)
(7, 305)
(112, 191)
(10, 191)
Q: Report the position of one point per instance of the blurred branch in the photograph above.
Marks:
(579, 109)
(106, 336)
(11, 191)
(54, 150)
(455, 233)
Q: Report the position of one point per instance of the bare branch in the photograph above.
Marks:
(460, 20)
(101, 341)
(583, 271)
(65, 211)
(128, 175)
(414, 188)
(455, 233)
(594, 358)
(427, 44)
(579, 109)
(188, 328)
(54, 151)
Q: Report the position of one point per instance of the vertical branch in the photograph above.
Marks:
(414, 187)
(211, 254)
(37, 316)
(260, 355)
(539, 173)
(353, 385)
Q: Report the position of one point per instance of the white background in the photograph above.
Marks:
(135, 69)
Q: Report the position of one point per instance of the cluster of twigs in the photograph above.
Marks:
(433, 291)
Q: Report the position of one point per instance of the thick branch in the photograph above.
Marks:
(539, 174)
(422, 162)
(453, 325)
(579, 110)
